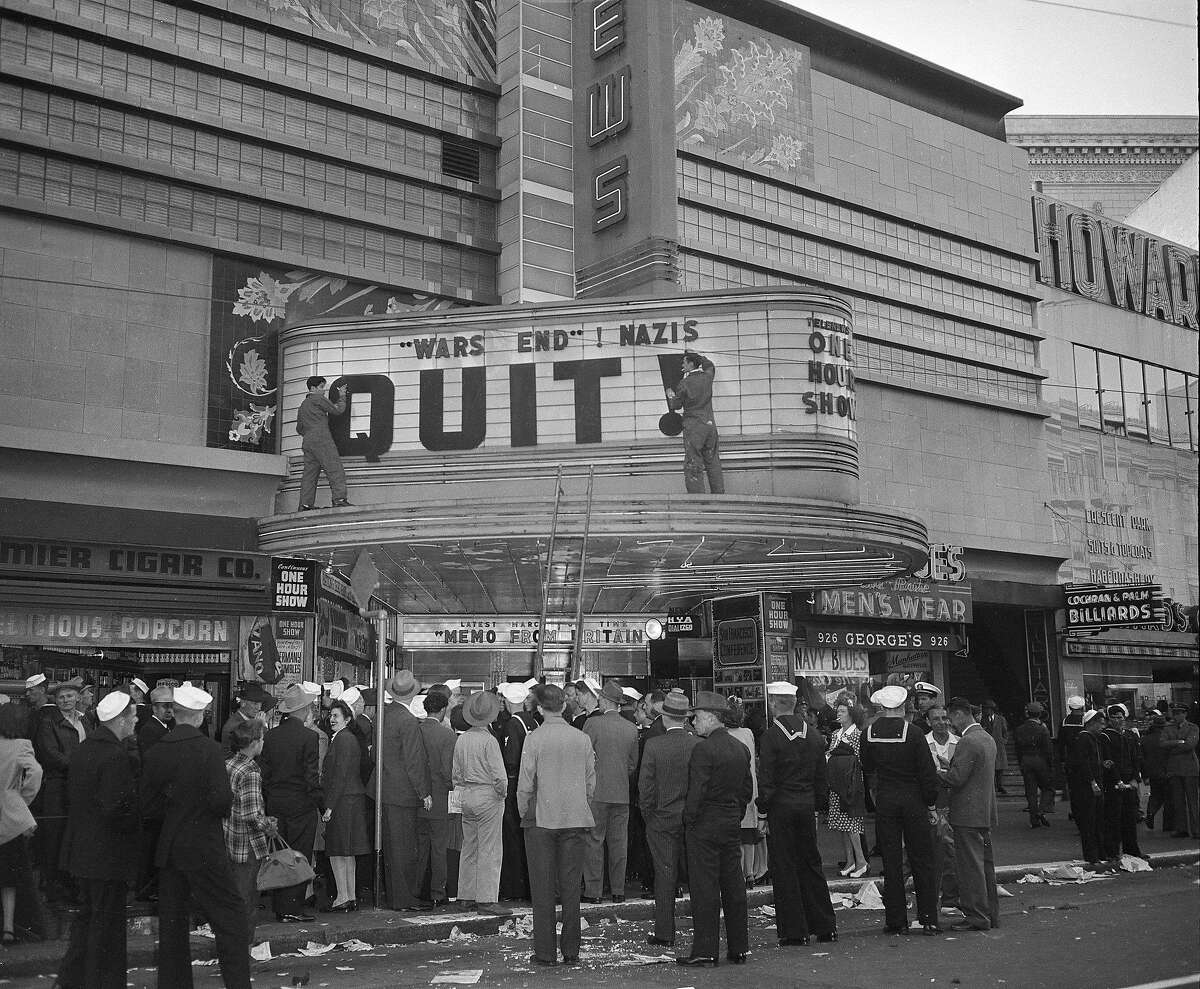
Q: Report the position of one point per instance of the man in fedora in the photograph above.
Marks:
(185, 784)
(662, 789)
(406, 787)
(291, 783)
(480, 777)
(719, 788)
(100, 846)
(615, 742)
(253, 701)
(554, 793)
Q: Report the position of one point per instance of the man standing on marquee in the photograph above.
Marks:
(719, 788)
(100, 846)
(701, 443)
(792, 788)
(185, 784)
(320, 452)
(662, 790)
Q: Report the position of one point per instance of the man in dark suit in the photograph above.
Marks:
(433, 825)
(100, 846)
(185, 785)
(616, 745)
(161, 720)
(719, 788)
(406, 788)
(792, 787)
(662, 789)
(587, 693)
(151, 730)
(59, 733)
(291, 782)
(253, 701)
(971, 781)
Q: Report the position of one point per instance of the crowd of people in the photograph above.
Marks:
(551, 794)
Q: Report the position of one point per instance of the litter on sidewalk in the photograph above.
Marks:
(1063, 875)
(1131, 863)
(467, 977)
(261, 952)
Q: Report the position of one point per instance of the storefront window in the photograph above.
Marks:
(1086, 386)
(1112, 394)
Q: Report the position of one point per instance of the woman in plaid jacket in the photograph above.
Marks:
(247, 827)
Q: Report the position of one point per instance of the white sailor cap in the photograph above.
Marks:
(112, 705)
(335, 689)
(532, 682)
(312, 689)
(351, 696)
(453, 684)
(1088, 715)
(1076, 703)
(632, 694)
(192, 698)
(781, 688)
(592, 685)
(514, 693)
(1113, 708)
(35, 681)
(890, 697)
(140, 684)
(417, 705)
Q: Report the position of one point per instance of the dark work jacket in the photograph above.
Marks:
(102, 823)
(719, 782)
(54, 743)
(184, 783)
(899, 770)
(291, 774)
(791, 771)
(1032, 738)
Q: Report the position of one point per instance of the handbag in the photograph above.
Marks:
(282, 867)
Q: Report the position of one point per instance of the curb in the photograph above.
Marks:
(42, 958)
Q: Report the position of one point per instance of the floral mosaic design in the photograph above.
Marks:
(251, 302)
(459, 35)
(742, 95)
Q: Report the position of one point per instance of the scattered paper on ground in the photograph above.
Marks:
(458, 934)
(766, 911)
(354, 944)
(204, 931)
(208, 961)
(1001, 891)
(1131, 863)
(261, 952)
(868, 898)
(315, 948)
(467, 977)
(635, 959)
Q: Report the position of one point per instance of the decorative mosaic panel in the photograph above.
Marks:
(251, 302)
(742, 95)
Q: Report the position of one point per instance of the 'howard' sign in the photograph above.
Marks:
(1090, 255)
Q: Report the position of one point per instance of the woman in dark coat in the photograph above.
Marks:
(345, 797)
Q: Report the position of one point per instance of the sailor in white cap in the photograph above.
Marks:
(896, 757)
(1085, 780)
(100, 846)
(1070, 728)
(1122, 772)
(587, 694)
(925, 696)
(184, 782)
(139, 692)
(512, 732)
(36, 701)
(792, 788)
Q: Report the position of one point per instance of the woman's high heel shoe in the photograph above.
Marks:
(859, 872)
(350, 906)
(846, 871)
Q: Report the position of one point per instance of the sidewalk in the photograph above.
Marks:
(1018, 850)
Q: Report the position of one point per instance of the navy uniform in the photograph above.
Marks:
(792, 788)
(896, 758)
(514, 867)
(1032, 740)
(719, 788)
(100, 848)
(186, 785)
(1085, 777)
(1123, 748)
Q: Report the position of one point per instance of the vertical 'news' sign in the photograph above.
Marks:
(609, 111)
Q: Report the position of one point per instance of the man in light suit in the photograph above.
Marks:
(615, 742)
(406, 788)
(662, 790)
(971, 781)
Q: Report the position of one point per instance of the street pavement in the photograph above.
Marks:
(394, 935)
(1132, 930)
